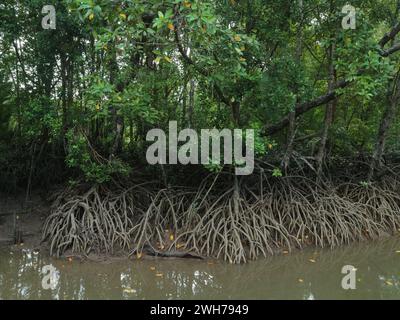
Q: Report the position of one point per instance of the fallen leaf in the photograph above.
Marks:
(171, 237)
(285, 252)
(301, 280)
(153, 268)
(312, 260)
(389, 283)
(159, 274)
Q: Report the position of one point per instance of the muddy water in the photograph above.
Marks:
(309, 274)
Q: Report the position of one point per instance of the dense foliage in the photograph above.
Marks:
(78, 101)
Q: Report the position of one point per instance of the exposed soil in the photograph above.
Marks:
(29, 221)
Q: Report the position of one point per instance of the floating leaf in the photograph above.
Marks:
(129, 290)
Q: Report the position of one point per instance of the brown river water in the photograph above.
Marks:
(307, 274)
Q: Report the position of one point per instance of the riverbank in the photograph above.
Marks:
(29, 218)
(236, 220)
(224, 217)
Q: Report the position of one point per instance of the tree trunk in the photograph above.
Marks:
(328, 114)
(387, 119)
(329, 111)
(292, 116)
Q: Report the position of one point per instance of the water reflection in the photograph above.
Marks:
(305, 275)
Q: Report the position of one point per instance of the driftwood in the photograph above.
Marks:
(149, 250)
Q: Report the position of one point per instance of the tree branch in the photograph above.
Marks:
(190, 61)
(324, 99)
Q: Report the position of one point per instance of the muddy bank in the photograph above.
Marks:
(26, 218)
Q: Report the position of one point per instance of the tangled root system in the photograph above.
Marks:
(238, 221)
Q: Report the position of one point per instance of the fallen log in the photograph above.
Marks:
(149, 250)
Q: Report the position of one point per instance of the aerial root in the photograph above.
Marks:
(235, 223)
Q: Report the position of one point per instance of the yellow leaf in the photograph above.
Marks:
(171, 237)
(187, 4)
(389, 283)
(139, 255)
(168, 59)
(270, 146)
(122, 16)
(242, 59)
(285, 252)
(237, 38)
(91, 16)
(159, 274)
(171, 27)
(242, 48)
